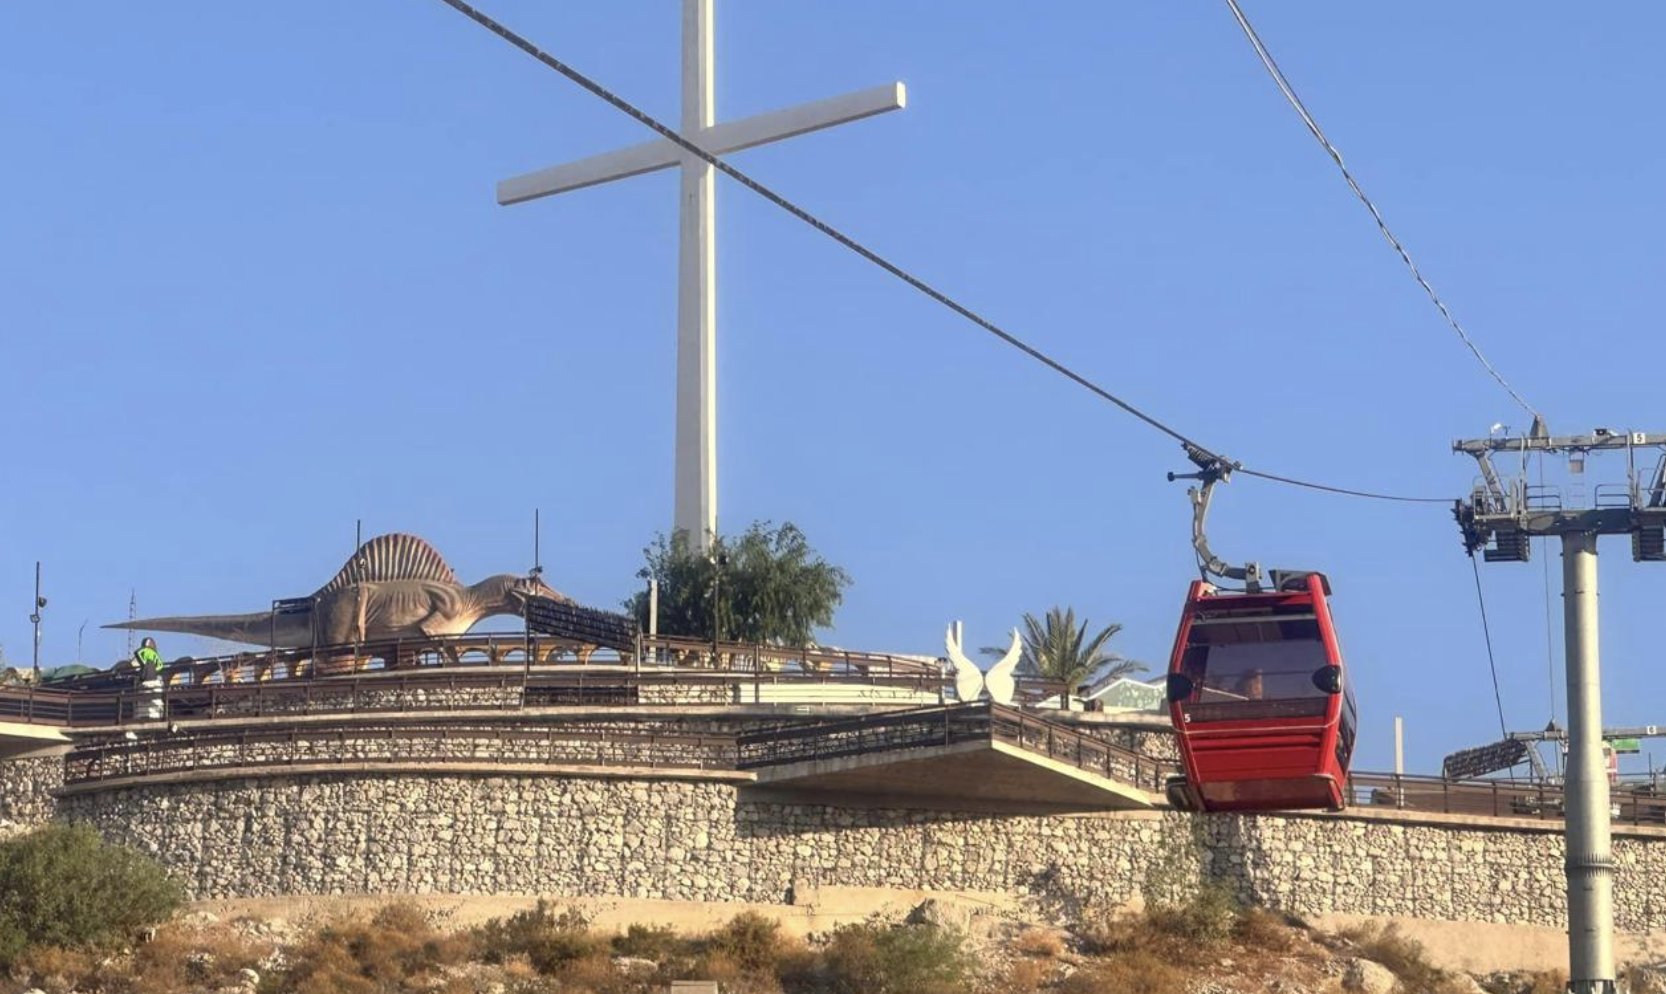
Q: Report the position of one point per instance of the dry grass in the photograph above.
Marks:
(1639, 979)
(1404, 957)
(1040, 943)
(1263, 931)
(1026, 975)
(1135, 971)
(177, 958)
(394, 949)
(1556, 982)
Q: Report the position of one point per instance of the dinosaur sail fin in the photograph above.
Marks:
(392, 557)
(253, 629)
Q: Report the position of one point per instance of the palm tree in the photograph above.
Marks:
(1057, 649)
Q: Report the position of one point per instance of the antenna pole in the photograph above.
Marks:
(537, 540)
(34, 619)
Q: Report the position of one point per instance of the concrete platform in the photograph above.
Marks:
(19, 738)
(990, 773)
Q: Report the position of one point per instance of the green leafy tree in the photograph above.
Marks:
(770, 587)
(62, 885)
(1058, 649)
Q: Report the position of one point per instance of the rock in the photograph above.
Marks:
(1365, 977)
(633, 966)
(248, 977)
(200, 919)
(939, 915)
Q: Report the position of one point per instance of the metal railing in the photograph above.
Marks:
(508, 690)
(421, 690)
(522, 650)
(1493, 798)
(36, 705)
(920, 728)
(498, 744)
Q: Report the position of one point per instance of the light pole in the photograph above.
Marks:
(719, 561)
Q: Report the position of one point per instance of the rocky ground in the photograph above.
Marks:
(1196, 948)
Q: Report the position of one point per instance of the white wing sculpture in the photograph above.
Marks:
(999, 680)
(970, 682)
(968, 679)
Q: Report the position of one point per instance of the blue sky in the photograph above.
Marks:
(253, 286)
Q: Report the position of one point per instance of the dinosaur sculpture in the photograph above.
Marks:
(395, 586)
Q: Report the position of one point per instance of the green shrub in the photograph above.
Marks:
(875, 958)
(548, 940)
(64, 886)
(1205, 918)
(750, 941)
(652, 942)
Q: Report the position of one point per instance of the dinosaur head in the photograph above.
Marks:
(508, 593)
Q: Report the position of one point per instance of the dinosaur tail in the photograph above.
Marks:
(254, 629)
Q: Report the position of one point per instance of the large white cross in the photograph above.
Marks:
(696, 460)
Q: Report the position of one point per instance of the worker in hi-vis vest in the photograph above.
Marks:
(149, 680)
(147, 658)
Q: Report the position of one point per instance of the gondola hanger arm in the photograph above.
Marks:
(1213, 469)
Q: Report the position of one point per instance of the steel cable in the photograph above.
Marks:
(671, 135)
(1486, 630)
(1271, 65)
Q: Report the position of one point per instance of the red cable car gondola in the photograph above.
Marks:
(1262, 706)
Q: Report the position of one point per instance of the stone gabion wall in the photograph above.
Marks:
(686, 693)
(325, 696)
(26, 787)
(419, 833)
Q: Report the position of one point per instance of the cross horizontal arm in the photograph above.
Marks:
(731, 136)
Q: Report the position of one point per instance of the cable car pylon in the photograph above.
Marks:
(1499, 520)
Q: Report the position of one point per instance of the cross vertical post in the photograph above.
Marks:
(695, 489)
(695, 465)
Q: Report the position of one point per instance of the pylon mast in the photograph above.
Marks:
(1501, 517)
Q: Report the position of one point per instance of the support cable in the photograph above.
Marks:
(1193, 448)
(1550, 652)
(1271, 65)
(1486, 630)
